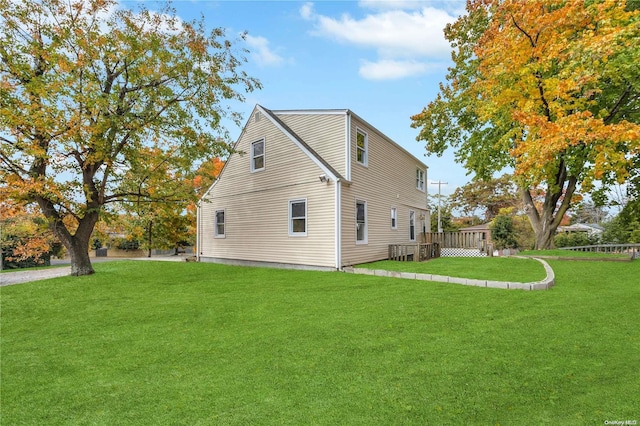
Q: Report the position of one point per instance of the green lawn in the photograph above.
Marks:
(481, 268)
(572, 253)
(197, 344)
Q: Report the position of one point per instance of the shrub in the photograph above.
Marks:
(573, 239)
(124, 244)
(502, 232)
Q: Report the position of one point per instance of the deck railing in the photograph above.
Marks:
(461, 240)
(417, 252)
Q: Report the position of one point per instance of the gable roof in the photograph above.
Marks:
(324, 165)
(352, 114)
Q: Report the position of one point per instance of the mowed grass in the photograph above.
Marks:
(481, 268)
(144, 343)
(576, 254)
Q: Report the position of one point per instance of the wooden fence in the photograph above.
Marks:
(633, 250)
(417, 252)
(462, 240)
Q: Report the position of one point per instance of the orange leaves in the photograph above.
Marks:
(546, 68)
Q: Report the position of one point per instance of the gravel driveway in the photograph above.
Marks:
(19, 277)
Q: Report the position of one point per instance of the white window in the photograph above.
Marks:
(298, 218)
(412, 225)
(219, 225)
(420, 179)
(361, 222)
(257, 155)
(394, 218)
(362, 147)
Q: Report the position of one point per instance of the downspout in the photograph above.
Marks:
(198, 232)
(347, 143)
(338, 224)
(338, 203)
(426, 195)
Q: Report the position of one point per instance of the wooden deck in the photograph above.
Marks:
(417, 252)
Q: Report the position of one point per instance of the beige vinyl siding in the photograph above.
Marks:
(256, 204)
(325, 133)
(388, 180)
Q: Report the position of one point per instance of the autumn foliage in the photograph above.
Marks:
(101, 105)
(550, 89)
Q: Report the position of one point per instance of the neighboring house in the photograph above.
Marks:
(312, 188)
(591, 229)
(481, 232)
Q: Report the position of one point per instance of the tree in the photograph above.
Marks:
(489, 196)
(446, 215)
(625, 227)
(25, 239)
(551, 90)
(503, 233)
(89, 91)
(171, 221)
(588, 212)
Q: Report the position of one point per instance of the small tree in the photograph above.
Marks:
(489, 196)
(502, 232)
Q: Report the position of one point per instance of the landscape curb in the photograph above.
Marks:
(545, 284)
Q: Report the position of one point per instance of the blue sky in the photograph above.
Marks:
(381, 59)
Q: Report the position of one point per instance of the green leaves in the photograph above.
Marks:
(89, 90)
(551, 91)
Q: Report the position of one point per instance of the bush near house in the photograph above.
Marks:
(574, 239)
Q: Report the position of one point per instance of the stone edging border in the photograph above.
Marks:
(545, 284)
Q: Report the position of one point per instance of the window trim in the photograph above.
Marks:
(412, 222)
(365, 240)
(216, 234)
(365, 150)
(263, 155)
(420, 183)
(394, 218)
(292, 233)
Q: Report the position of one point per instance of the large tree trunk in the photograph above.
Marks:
(77, 244)
(546, 218)
(80, 261)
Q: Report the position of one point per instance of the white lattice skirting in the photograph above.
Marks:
(460, 252)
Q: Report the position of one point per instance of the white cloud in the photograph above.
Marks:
(410, 38)
(392, 33)
(392, 4)
(389, 69)
(261, 52)
(306, 11)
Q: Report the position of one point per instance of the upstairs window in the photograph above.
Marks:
(219, 225)
(257, 156)
(362, 147)
(298, 218)
(420, 179)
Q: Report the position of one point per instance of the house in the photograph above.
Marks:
(591, 229)
(478, 232)
(319, 189)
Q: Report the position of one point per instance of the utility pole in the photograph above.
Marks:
(439, 183)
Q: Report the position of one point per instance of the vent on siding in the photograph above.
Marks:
(257, 116)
